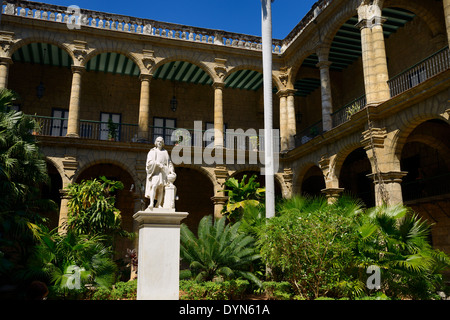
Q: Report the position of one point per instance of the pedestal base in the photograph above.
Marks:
(159, 254)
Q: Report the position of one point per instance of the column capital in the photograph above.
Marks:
(78, 69)
(145, 77)
(370, 23)
(218, 85)
(332, 193)
(286, 92)
(388, 177)
(6, 61)
(324, 64)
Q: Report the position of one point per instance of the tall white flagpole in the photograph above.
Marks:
(268, 106)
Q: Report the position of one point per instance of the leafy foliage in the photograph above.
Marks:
(60, 255)
(208, 290)
(23, 171)
(396, 240)
(92, 208)
(309, 244)
(220, 252)
(242, 195)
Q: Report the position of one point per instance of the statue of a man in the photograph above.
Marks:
(158, 167)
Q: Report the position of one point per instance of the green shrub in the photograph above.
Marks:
(209, 290)
(278, 290)
(120, 291)
(309, 244)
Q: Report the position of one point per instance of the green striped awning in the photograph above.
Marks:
(188, 72)
(43, 53)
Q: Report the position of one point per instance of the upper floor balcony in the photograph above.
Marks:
(406, 80)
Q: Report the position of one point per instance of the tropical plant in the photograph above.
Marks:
(23, 171)
(72, 261)
(92, 208)
(397, 241)
(220, 252)
(241, 195)
(310, 245)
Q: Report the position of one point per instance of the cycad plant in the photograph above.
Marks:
(220, 252)
(397, 241)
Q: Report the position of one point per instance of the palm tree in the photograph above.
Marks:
(62, 257)
(23, 170)
(220, 251)
(395, 239)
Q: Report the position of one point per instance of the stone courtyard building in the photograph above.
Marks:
(361, 101)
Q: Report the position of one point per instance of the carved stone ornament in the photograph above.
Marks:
(79, 50)
(220, 68)
(149, 59)
(6, 41)
(284, 76)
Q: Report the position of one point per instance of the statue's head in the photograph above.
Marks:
(159, 142)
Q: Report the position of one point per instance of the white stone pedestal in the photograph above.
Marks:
(159, 254)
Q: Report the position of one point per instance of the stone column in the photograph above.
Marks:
(4, 71)
(283, 121)
(386, 173)
(332, 190)
(63, 210)
(373, 54)
(144, 108)
(159, 254)
(291, 119)
(325, 85)
(219, 199)
(73, 123)
(218, 114)
(391, 181)
(447, 18)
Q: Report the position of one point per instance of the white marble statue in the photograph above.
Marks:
(160, 177)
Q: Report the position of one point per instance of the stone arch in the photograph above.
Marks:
(353, 176)
(199, 63)
(333, 24)
(427, 14)
(109, 48)
(44, 38)
(195, 188)
(313, 181)
(341, 155)
(108, 161)
(407, 128)
(296, 66)
(125, 198)
(299, 174)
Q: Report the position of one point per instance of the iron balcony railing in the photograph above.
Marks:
(122, 132)
(309, 133)
(344, 114)
(420, 72)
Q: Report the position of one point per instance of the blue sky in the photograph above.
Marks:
(242, 16)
